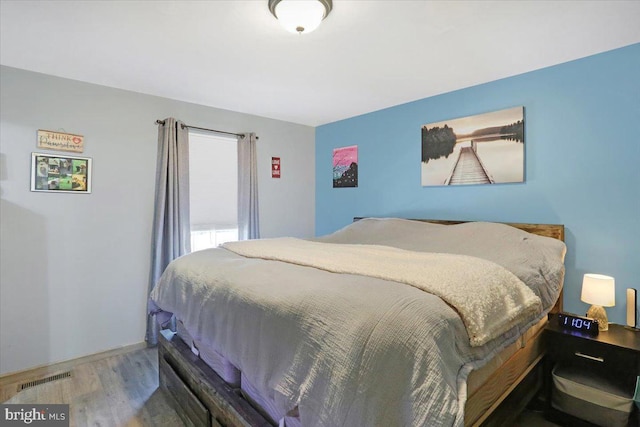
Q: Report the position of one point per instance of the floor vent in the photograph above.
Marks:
(44, 380)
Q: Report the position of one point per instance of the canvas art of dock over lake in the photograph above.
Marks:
(482, 149)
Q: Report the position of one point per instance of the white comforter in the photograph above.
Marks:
(346, 349)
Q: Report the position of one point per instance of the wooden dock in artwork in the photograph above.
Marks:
(469, 169)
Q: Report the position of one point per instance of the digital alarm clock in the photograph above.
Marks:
(572, 322)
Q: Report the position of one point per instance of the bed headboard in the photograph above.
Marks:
(555, 231)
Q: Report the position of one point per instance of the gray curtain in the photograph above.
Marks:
(248, 218)
(171, 227)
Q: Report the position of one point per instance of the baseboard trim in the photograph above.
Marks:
(11, 380)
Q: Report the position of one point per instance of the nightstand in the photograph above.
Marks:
(611, 357)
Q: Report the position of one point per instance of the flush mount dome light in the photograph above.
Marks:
(300, 16)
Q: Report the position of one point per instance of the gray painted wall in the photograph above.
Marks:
(74, 267)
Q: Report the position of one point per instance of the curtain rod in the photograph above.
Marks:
(241, 135)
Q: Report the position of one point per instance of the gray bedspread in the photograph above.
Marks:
(347, 350)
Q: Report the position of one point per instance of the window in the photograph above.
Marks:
(213, 187)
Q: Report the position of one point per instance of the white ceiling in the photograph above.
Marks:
(367, 55)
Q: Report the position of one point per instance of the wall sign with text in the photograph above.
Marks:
(51, 140)
(275, 167)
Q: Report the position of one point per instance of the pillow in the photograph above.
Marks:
(536, 260)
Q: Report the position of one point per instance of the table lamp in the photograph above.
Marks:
(600, 291)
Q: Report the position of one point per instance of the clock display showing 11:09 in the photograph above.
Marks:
(578, 323)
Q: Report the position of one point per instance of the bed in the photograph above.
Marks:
(384, 322)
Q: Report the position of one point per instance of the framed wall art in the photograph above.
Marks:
(60, 174)
(482, 149)
(345, 167)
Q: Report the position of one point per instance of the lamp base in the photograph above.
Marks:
(598, 313)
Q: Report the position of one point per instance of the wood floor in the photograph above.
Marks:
(115, 391)
(122, 390)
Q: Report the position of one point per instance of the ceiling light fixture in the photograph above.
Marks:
(300, 16)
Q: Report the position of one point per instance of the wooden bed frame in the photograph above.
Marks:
(202, 398)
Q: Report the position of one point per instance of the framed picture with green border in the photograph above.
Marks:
(60, 174)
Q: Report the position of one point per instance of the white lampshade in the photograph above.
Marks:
(300, 16)
(598, 289)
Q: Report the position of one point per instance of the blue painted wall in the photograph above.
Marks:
(582, 155)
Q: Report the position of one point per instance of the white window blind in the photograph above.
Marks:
(213, 186)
